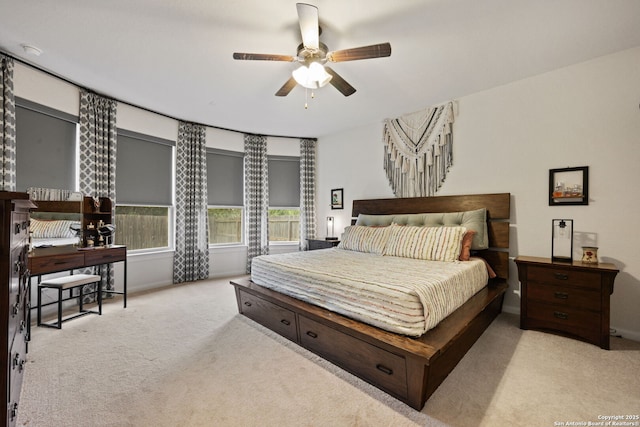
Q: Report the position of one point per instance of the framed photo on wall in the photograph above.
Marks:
(569, 186)
(337, 197)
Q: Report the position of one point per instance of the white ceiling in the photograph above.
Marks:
(175, 57)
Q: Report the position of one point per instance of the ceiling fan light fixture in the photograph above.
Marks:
(311, 77)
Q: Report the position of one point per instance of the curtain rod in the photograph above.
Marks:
(64, 79)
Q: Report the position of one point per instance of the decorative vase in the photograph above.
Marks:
(590, 254)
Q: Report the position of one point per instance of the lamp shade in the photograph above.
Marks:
(330, 229)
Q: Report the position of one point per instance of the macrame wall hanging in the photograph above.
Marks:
(418, 151)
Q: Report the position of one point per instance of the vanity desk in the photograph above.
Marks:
(69, 257)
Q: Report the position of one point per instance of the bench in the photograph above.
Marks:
(69, 283)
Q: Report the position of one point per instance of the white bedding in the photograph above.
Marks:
(401, 295)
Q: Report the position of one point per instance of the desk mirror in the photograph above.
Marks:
(57, 220)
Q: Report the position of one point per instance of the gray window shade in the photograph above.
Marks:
(144, 166)
(45, 147)
(284, 182)
(225, 178)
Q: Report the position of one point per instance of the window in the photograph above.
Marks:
(45, 147)
(142, 227)
(225, 187)
(144, 191)
(284, 225)
(284, 199)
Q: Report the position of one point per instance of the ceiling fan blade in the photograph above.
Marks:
(287, 87)
(339, 83)
(262, 57)
(309, 28)
(364, 52)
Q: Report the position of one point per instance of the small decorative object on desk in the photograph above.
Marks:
(590, 254)
(96, 204)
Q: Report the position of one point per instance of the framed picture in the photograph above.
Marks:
(569, 186)
(337, 198)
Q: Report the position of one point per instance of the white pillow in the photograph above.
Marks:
(428, 243)
(364, 239)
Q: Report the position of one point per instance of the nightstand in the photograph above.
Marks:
(570, 299)
(321, 244)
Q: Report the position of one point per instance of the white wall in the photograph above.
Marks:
(506, 139)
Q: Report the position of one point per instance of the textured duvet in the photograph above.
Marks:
(401, 295)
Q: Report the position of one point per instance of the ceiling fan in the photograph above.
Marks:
(313, 55)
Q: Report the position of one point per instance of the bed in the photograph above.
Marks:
(407, 364)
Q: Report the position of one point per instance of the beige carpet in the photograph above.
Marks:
(182, 356)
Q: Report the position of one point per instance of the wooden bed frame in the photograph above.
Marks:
(409, 369)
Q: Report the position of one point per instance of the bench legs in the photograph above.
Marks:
(82, 311)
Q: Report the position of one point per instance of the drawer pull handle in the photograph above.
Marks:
(384, 369)
(60, 262)
(16, 361)
(247, 303)
(560, 315)
(312, 334)
(561, 295)
(285, 322)
(561, 276)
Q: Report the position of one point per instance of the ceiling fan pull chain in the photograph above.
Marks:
(306, 93)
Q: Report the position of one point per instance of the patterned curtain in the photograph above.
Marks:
(419, 151)
(191, 260)
(7, 124)
(98, 158)
(307, 191)
(256, 194)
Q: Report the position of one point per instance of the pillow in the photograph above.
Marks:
(428, 243)
(364, 239)
(51, 229)
(465, 251)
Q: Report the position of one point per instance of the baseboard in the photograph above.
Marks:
(511, 309)
(625, 333)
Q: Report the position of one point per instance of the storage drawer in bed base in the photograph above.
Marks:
(274, 317)
(384, 369)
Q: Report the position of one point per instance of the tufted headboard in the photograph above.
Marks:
(487, 213)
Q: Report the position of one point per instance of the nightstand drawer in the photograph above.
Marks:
(564, 276)
(585, 324)
(565, 296)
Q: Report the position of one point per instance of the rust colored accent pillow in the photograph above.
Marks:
(465, 252)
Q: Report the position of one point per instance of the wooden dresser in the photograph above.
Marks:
(570, 299)
(14, 296)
